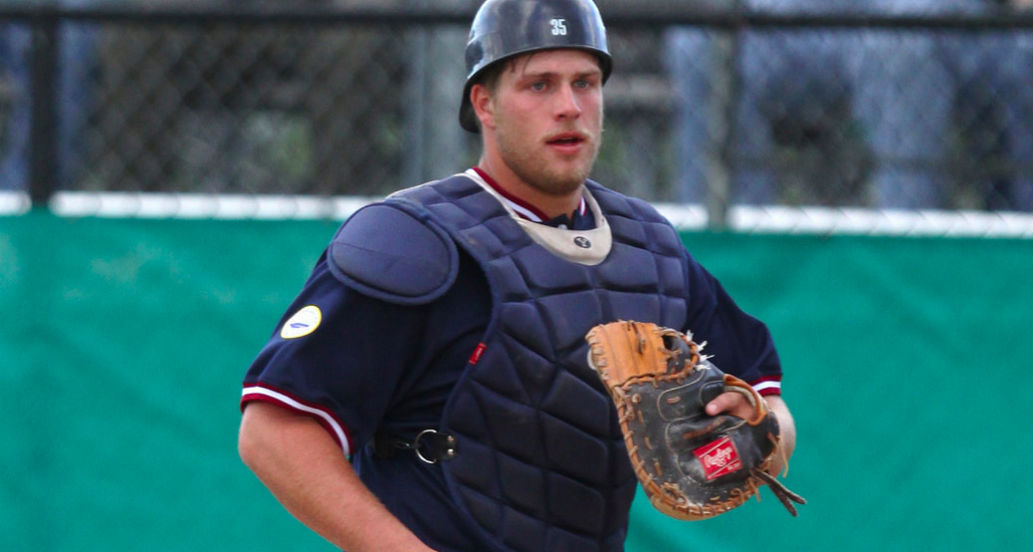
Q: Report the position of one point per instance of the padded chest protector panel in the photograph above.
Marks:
(394, 255)
(541, 462)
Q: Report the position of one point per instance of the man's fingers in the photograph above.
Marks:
(731, 402)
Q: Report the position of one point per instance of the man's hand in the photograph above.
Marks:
(731, 403)
(737, 405)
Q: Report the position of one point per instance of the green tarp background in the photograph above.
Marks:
(123, 342)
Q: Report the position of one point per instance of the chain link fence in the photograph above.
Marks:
(707, 106)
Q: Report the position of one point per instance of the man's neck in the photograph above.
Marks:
(510, 185)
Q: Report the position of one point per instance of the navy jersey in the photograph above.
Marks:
(362, 366)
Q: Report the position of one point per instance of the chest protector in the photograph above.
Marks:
(541, 463)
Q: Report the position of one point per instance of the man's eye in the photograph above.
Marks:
(587, 82)
(539, 86)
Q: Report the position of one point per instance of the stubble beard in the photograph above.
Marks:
(546, 178)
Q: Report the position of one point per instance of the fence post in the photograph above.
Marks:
(720, 121)
(43, 131)
(436, 141)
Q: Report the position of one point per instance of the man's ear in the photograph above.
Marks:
(483, 107)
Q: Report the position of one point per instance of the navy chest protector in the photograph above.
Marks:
(540, 461)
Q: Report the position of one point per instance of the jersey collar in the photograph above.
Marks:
(529, 212)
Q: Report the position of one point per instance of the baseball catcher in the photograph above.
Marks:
(691, 465)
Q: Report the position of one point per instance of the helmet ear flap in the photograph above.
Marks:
(506, 28)
(467, 117)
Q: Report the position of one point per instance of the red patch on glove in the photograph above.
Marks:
(718, 458)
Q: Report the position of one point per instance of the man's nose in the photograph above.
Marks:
(567, 105)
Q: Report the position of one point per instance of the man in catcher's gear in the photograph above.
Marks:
(428, 389)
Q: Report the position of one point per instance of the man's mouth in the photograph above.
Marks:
(567, 141)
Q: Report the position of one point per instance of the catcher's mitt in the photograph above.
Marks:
(691, 465)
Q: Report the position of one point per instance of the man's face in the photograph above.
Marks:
(548, 117)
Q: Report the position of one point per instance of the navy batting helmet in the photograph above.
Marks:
(506, 28)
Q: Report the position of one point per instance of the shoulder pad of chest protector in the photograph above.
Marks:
(393, 253)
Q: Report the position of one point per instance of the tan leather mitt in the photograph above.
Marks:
(691, 465)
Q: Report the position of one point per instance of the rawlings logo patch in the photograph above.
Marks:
(718, 458)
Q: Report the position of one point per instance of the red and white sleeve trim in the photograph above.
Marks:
(771, 385)
(322, 415)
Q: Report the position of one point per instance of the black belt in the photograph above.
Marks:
(430, 445)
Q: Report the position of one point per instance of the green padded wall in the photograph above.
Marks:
(123, 344)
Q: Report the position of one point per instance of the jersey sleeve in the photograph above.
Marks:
(737, 343)
(336, 355)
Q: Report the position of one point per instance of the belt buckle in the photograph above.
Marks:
(448, 451)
